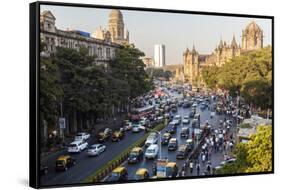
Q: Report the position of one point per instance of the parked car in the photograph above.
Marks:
(173, 144)
(118, 174)
(77, 146)
(165, 138)
(182, 151)
(135, 155)
(64, 162)
(141, 174)
(151, 151)
(184, 132)
(185, 120)
(151, 139)
(82, 137)
(96, 149)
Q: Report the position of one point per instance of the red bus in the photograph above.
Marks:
(142, 112)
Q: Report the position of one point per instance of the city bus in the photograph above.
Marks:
(142, 112)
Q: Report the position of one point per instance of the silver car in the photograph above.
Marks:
(96, 149)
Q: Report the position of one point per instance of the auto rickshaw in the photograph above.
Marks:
(141, 174)
(171, 169)
(64, 162)
(135, 155)
(119, 174)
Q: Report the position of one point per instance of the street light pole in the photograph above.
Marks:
(160, 153)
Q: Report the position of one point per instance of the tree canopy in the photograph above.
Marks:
(250, 74)
(88, 90)
(253, 156)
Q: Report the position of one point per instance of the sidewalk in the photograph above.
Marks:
(111, 123)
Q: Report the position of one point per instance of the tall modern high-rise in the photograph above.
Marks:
(159, 55)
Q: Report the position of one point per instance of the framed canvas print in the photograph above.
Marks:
(122, 94)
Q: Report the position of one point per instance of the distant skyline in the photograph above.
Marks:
(174, 30)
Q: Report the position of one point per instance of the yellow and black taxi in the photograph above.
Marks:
(171, 169)
(117, 135)
(135, 155)
(119, 174)
(142, 174)
(64, 162)
(102, 137)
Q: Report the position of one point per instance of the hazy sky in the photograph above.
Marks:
(176, 31)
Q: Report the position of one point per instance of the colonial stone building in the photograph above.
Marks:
(101, 44)
(193, 62)
(116, 29)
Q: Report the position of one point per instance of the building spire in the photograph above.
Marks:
(233, 42)
(193, 49)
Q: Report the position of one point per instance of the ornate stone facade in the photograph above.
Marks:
(104, 49)
(252, 38)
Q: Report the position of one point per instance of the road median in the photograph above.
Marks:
(104, 170)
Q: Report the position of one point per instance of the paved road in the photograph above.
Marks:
(85, 165)
(171, 155)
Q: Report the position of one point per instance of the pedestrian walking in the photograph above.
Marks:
(198, 168)
(191, 165)
(203, 158)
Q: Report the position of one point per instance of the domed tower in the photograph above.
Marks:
(116, 27)
(252, 37)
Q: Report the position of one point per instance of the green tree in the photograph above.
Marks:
(250, 74)
(253, 156)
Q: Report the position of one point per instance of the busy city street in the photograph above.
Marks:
(86, 165)
(113, 110)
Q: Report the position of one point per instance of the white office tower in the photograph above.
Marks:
(159, 55)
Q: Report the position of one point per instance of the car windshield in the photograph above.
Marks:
(150, 151)
(59, 162)
(115, 174)
(169, 171)
(93, 147)
(132, 154)
(72, 145)
(138, 177)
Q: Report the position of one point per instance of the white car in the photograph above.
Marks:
(136, 128)
(151, 151)
(96, 149)
(82, 137)
(77, 146)
(185, 120)
(128, 126)
(151, 139)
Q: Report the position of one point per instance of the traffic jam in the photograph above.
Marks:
(198, 138)
(197, 125)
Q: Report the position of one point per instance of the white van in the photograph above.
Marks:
(77, 146)
(151, 139)
(152, 151)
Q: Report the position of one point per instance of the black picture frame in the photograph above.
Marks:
(34, 98)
